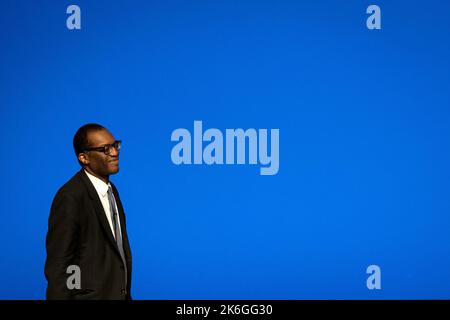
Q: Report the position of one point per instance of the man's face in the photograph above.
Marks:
(97, 161)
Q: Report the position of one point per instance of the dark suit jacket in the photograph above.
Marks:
(79, 234)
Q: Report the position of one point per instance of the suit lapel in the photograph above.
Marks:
(100, 212)
(123, 229)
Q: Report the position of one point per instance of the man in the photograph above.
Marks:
(86, 227)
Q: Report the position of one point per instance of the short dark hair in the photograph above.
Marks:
(80, 139)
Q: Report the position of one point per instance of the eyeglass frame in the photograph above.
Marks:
(116, 145)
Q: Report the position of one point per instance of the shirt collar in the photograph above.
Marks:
(99, 185)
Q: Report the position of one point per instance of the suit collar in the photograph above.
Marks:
(99, 185)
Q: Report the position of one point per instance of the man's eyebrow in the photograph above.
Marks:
(107, 144)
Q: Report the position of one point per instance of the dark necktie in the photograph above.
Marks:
(118, 236)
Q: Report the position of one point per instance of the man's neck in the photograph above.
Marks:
(104, 179)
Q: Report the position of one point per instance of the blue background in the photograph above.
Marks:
(364, 142)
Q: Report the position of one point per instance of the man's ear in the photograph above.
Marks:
(83, 158)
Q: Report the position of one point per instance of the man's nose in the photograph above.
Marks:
(114, 152)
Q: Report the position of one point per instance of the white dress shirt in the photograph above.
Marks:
(102, 189)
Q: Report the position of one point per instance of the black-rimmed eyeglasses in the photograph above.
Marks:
(106, 149)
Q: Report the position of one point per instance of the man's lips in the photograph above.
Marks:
(116, 161)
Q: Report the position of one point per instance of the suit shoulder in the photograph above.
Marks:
(74, 188)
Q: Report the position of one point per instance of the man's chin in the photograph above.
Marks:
(114, 170)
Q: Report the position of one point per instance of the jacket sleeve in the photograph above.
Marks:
(61, 244)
